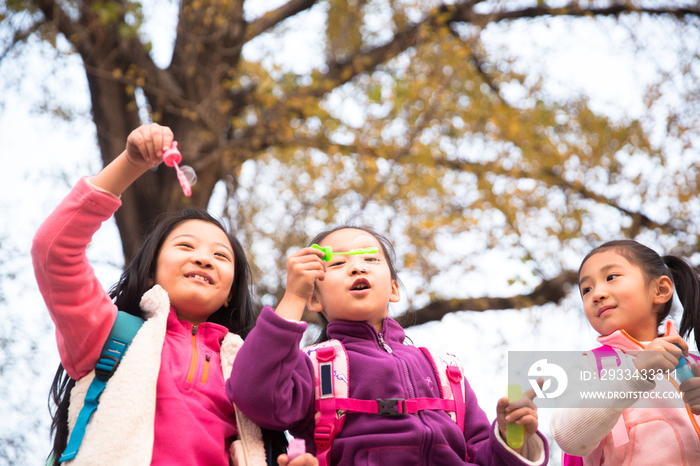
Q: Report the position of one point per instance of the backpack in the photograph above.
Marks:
(123, 331)
(606, 357)
(332, 402)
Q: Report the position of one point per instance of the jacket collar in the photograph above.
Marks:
(347, 331)
(622, 340)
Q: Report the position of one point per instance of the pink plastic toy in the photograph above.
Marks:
(297, 447)
(185, 175)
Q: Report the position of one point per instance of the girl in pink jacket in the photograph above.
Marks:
(628, 290)
(166, 403)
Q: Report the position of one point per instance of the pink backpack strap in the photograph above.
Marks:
(331, 384)
(604, 356)
(450, 375)
(568, 460)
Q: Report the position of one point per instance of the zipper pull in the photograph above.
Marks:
(383, 344)
(194, 330)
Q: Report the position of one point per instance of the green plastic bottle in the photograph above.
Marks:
(514, 432)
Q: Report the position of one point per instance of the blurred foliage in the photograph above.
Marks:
(410, 125)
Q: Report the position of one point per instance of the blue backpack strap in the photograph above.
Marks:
(123, 331)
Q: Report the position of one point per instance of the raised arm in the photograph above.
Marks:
(82, 311)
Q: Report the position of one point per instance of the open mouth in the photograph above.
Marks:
(360, 284)
(199, 276)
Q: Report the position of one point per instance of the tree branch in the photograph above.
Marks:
(573, 9)
(20, 36)
(274, 17)
(553, 179)
(549, 291)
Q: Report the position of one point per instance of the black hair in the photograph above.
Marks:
(685, 279)
(387, 249)
(238, 316)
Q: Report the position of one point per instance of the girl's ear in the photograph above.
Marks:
(313, 304)
(664, 290)
(395, 295)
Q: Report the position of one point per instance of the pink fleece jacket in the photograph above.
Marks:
(194, 420)
(665, 434)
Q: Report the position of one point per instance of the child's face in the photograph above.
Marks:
(195, 267)
(348, 293)
(616, 296)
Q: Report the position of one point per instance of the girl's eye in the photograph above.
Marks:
(333, 264)
(186, 245)
(611, 276)
(585, 290)
(221, 254)
(371, 259)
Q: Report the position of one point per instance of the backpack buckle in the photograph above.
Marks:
(391, 406)
(106, 366)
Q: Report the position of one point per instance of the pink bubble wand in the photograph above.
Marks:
(185, 175)
(297, 447)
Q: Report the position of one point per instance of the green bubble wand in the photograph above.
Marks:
(514, 432)
(328, 250)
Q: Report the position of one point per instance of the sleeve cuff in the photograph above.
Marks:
(100, 190)
(533, 449)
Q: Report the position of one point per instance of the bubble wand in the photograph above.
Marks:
(297, 447)
(514, 432)
(185, 175)
(683, 370)
(328, 250)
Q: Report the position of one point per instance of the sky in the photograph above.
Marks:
(42, 157)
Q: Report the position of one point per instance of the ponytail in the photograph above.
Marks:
(687, 283)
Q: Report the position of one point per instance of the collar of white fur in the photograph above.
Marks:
(121, 430)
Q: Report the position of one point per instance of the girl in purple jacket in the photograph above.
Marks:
(272, 380)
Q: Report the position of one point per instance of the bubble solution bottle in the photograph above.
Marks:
(185, 174)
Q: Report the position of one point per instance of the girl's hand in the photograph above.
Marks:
(146, 144)
(661, 354)
(523, 412)
(307, 459)
(304, 267)
(691, 389)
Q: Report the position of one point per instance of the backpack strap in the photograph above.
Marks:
(123, 331)
(332, 401)
(331, 386)
(452, 386)
(606, 357)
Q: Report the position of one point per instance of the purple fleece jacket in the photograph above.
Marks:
(272, 383)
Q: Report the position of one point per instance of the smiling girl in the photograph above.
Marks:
(273, 382)
(628, 290)
(165, 404)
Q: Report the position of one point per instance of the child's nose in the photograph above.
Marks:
(203, 262)
(599, 295)
(354, 270)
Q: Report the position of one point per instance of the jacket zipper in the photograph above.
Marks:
(687, 408)
(673, 382)
(631, 338)
(384, 345)
(193, 364)
(411, 392)
(206, 368)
